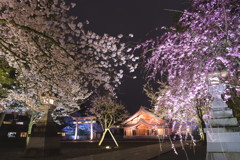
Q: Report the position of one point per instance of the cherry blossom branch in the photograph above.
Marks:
(31, 30)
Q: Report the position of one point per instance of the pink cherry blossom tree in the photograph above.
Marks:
(207, 42)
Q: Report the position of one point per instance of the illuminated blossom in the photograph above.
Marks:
(53, 54)
(207, 41)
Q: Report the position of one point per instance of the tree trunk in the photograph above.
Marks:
(102, 138)
(203, 135)
(202, 125)
(113, 137)
(2, 116)
(29, 129)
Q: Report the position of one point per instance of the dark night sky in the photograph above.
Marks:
(138, 17)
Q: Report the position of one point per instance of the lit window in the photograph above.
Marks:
(19, 123)
(23, 134)
(62, 133)
(48, 101)
(11, 134)
(51, 101)
(7, 122)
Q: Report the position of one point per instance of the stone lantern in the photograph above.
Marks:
(44, 140)
(223, 133)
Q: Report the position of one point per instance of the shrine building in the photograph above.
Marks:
(144, 124)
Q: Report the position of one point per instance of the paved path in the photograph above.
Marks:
(138, 153)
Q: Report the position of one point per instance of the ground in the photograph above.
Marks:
(190, 153)
(70, 149)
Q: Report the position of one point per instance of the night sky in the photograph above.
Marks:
(139, 17)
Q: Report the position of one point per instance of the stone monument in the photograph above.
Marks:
(223, 132)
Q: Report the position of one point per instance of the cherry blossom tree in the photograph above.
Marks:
(53, 54)
(108, 112)
(178, 109)
(208, 41)
(7, 81)
(7, 78)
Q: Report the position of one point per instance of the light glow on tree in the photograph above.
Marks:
(207, 42)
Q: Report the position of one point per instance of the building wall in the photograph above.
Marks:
(14, 128)
(128, 132)
(141, 132)
(146, 132)
(144, 125)
(160, 131)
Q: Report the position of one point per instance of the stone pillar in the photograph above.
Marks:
(223, 132)
(44, 140)
(76, 130)
(164, 133)
(91, 127)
